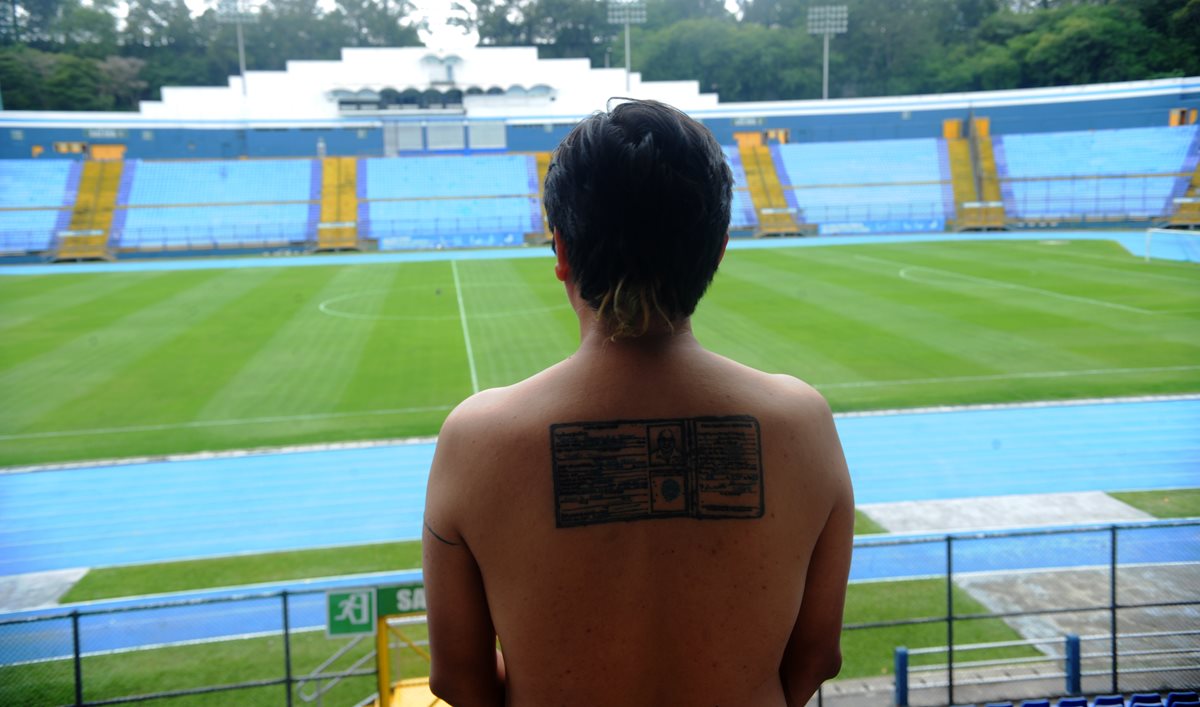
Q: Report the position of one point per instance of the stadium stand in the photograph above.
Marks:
(868, 187)
(449, 201)
(1122, 174)
(213, 204)
(35, 202)
(742, 216)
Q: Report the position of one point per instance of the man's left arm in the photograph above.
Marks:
(466, 669)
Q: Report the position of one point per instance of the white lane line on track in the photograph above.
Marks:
(905, 270)
(221, 423)
(1006, 376)
(462, 316)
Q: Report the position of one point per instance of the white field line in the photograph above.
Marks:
(1118, 259)
(905, 268)
(1007, 376)
(222, 423)
(821, 386)
(1018, 406)
(462, 316)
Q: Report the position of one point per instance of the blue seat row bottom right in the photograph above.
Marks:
(1138, 699)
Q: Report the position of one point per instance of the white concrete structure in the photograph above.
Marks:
(480, 82)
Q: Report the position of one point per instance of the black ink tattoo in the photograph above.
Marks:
(624, 470)
(434, 534)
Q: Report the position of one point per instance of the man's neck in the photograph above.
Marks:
(660, 339)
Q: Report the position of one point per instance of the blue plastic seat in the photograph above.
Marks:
(1036, 703)
(1186, 703)
(1109, 701)
(1073, 702)
(1145, 698)
(999, 704)
(1178, 696)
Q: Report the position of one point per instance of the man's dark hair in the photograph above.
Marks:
(641, 195)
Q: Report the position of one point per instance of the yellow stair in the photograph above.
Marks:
(1188, 213)
(92, 215)
(338, 229)
(543, 166)
(766, 192)
(989, 217)
(962, 173)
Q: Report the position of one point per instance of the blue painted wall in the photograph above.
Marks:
(181, 143)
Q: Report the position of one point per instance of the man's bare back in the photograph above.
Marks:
(643, 523)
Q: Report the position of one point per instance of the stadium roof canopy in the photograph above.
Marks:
(481, 82)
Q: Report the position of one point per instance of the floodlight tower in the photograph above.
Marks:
(627, 12)
(827, 20)
(237, 12)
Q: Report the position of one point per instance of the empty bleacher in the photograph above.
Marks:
(35, 202)
(874, 186)
(864, 187)
(742, 216)
(1127, 174)
(425, 202)
(214, 204)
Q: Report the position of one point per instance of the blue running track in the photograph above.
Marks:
(171, 510)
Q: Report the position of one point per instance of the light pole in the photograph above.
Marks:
(827, 20)
(236, 12)
(627, 12)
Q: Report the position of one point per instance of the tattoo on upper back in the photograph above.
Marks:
(626, 470)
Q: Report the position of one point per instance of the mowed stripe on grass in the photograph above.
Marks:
(302, 355)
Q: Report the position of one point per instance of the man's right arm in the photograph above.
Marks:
(466, 668)
(813, 653)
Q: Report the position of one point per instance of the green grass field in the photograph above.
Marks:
(122, 364)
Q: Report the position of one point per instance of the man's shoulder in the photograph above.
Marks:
(782, 391)
(497, 412)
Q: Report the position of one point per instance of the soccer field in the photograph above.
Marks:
(118, 364)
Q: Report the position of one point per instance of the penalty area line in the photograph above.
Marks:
(222, 423)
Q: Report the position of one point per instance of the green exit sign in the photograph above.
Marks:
(351, 612)
(401, 599)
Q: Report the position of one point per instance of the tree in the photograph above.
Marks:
(86, 30)
(559, 28)
(377, 24)
(1090, 45)
(76, 84)
(743, 62)
(122, 80)
(21, 78)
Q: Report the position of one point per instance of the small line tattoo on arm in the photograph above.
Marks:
(708, 468)
(434, 533)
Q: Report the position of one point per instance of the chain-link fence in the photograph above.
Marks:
(1004, 602)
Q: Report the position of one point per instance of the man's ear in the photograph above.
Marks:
(562, 269)
(724, 244)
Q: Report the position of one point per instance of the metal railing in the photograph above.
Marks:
(273, 643)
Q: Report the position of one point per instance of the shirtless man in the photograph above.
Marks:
(645, 523)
